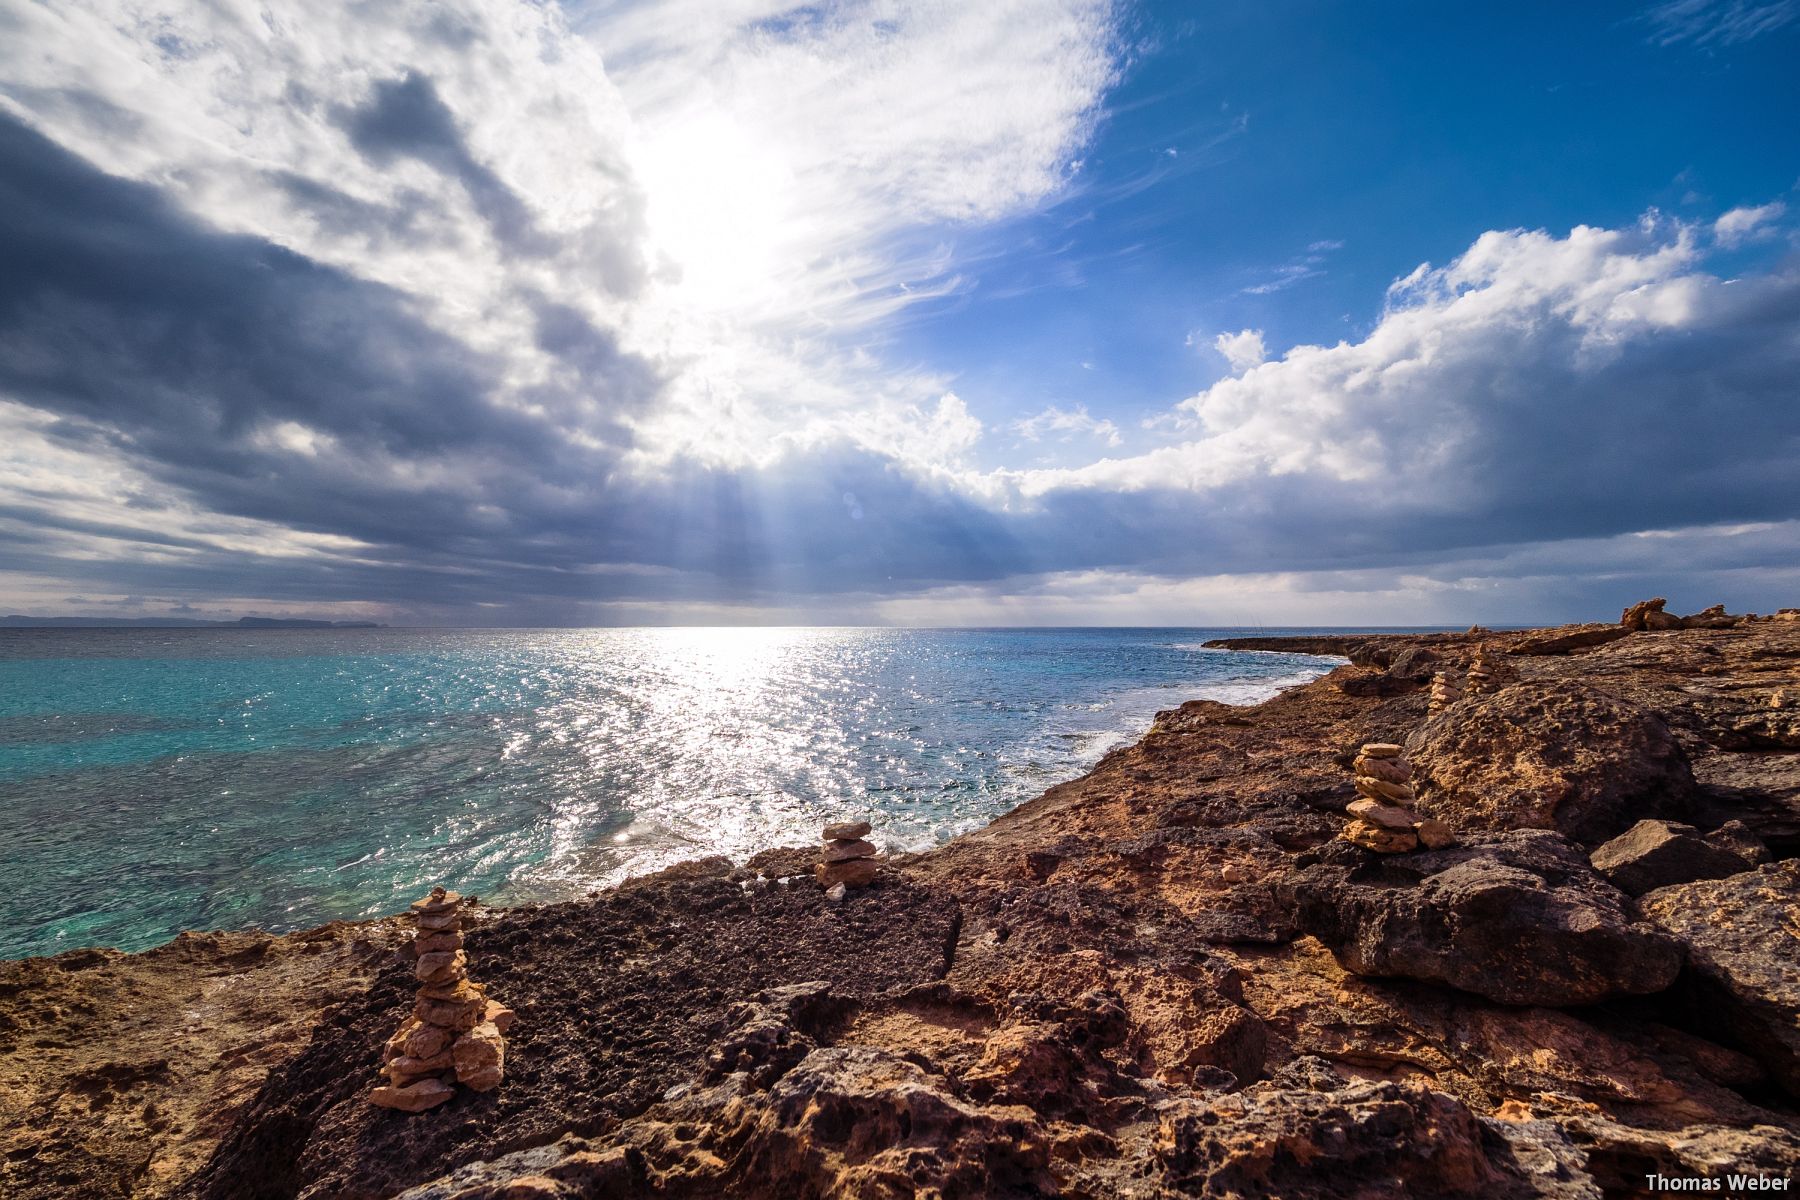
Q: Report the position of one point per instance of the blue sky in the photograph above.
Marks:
(1322, 150)
(1034, 311)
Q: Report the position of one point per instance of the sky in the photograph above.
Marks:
(1030, 312)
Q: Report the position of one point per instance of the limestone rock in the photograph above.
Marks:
(1561, 756)
(1743, 957)
(438, 901)
(417, 1097)
(437, 943)
(1654, 854)
(425, 1041)
(1519, 918)
(846, 831)
(1390, 770)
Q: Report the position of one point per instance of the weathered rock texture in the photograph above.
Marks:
(1168, 978)
(1550, 755)
(1743, 950)
(1654, 854)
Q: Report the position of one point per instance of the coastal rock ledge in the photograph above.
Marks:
(1172, 977)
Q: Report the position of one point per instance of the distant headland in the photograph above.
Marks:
(17, 621)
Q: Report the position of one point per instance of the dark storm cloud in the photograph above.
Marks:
(406, 118)
(190, 350)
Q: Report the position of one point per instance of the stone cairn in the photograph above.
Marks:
(1445, 691)
(455, 1033)
(1483, 674)
(848, 860)
(1382, 818)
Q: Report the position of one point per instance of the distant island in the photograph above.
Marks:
(17, 621)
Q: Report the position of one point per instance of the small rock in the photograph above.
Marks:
(499, 1016)
(426, 1040)
(1434, 835)
(1393, 770)
(440, 966)
(480, 1057)
(857, 872)
(438, 901)
(1381, 750)
(427, 1093)
(835, 893)
(1388, 816)
(1234, 873)
(844, 850)
(1381, 789)
(845, 831)
(1382, 841)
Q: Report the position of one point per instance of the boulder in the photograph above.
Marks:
(1653, 854)
(1544, 755)
(1637, 616)
(1743, 958)
(1516, 917)
(1741, 840)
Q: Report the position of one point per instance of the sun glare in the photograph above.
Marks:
(719, 208)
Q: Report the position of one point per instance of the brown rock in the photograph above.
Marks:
(1569, 639)
(437, 922)
(440, 966)
(396, 1045)
(454, 1015)
(1661, 621)
(1393, 770)
(427, 1093)
(499, 1016)
(856, 872)
(1434, 835)
(417, 1068)
(480, 1056)
(1382, 750)
(424, 1041)
(438, 901)
(845, 831)
(1388, 816)
(844, 851)
(436, 943)
(1381, 789)
(1550, 755)
(1637, 616)
(1382, 841)
(1654, 854)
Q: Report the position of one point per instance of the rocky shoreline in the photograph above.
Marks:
(1170, 977)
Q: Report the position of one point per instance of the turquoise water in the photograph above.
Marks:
(159, 780)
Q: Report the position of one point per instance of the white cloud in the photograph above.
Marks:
(1065, 424)
(1416, 395)
(1242, 350)
(1743, 224)
(1718, 22)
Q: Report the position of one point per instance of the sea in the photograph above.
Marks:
(156, 780)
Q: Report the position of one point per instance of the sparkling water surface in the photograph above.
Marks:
(159, 780)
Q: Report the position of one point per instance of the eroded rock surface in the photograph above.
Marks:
(1168, 978)
(1516, 917)
(1742, 936)
(1549, 755)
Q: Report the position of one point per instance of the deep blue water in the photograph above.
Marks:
(159, 780)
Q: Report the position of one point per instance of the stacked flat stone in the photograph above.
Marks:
(1445, 691)
(848, 860)
(455, 1033)
(1381, 818)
